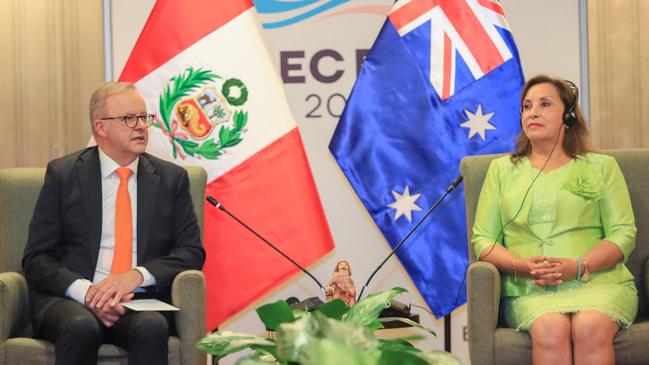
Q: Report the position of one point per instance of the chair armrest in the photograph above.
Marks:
(483, 287)
(645, 273)
(188, 294)
(14, 306)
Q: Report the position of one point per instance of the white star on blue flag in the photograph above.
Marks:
(404, 204)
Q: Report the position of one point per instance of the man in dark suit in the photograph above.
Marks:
(89, 249)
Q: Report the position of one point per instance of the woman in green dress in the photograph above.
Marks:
(556, 219)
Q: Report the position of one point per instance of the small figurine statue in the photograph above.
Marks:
(341, 284)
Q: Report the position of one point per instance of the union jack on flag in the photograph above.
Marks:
(449, 29)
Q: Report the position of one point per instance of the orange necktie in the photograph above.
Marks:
(122, 256)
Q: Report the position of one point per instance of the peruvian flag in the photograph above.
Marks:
(205, 72)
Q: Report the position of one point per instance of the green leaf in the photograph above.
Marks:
(291, 337)
(366, 312)
(318, 340)
(374, 325)
(300, 312)
(408, 322)
(266, 349)
(399, 352)
(301, 341)
(334, 309)
(393, 356)
(225, 134)
(274, 314)
(209, 150)
(228, 137)
(240, 119)
(223, 343)
(348, 334)
(188, 146)
(259, 358)
(401, 342)
(327, 352)
(270, 350)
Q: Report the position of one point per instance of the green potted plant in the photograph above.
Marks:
(332, 335)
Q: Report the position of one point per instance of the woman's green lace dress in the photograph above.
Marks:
(567, 212)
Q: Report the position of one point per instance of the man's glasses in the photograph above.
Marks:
(131, 121)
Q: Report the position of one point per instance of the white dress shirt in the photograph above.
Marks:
(109, 184)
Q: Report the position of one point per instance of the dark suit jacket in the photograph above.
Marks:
(65, 231)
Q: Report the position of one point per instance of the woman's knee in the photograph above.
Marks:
(551, 330)
(593, 329)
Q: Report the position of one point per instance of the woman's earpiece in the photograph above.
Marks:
(570, 115)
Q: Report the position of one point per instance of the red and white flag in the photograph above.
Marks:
(205, 71)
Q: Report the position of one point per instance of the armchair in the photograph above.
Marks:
(19, 188)
(490, 341)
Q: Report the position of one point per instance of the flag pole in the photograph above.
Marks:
(447, 332)
(108, 42)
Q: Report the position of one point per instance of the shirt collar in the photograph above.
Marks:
(108, 166)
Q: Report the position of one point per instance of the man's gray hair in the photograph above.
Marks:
(98, 98)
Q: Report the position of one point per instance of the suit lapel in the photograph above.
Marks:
(89, 179)
(148, 182)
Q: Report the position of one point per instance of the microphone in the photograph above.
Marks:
(220, 206)
(452, 187)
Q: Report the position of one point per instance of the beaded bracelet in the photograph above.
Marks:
(578, 269)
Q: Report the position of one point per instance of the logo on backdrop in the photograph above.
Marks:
(282, 13)
(195, 104)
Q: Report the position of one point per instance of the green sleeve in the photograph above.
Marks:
(488, 224)
(616, 210)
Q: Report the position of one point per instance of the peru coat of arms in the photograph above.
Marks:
(201, 114)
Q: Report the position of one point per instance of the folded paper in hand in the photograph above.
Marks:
(141, 305)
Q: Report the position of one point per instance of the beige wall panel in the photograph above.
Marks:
(7, 84)
(36, 71)
(643, 72)
(52, 58)
(86, 71)
(619, 79)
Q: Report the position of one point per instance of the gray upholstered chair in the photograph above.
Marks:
(490, 341)
(19, 188)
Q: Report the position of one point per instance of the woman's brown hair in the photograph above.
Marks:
(575, 140)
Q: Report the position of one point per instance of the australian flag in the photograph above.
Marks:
(442, 81)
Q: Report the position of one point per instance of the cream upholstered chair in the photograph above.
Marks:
(490, 341)
(19, 188)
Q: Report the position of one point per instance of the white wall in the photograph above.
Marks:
(547, 35)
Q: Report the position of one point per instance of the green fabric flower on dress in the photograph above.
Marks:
(585, 181)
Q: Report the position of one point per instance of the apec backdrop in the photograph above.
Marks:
(318, 59)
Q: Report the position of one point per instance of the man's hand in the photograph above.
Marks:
(112, 289)
(108, 315)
